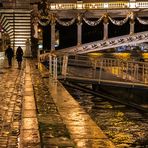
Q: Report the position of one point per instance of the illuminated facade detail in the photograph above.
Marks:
(17, 25)
(98, 5)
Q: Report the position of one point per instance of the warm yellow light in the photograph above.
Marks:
(145, 55)
(95, 54)
(122, 55)
(39, 30)
(79, 6)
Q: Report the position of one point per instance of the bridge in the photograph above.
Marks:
(67, 64)
(107, 44)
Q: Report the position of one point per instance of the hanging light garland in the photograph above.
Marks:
(142, 21)
(119, 22)
(44, 21)
(65, 23)
(93, 23)
(44, 17)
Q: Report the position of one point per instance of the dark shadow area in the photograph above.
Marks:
(140, 27)
(67, 36)
(92, 33)
(114, 30)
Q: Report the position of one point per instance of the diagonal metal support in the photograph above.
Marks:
(106, 44)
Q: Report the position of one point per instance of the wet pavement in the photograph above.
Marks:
(78, 128)
(38, 113)
(29, 133)
(53, 131)
(11, 94)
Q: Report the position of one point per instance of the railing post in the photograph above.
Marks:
(60, 65)
(146, 73)
(55, 67)
(94, 69)
(143, 72)
(118, 63)
(134, 77)
(100, 72)
(122, 69)
(127, 71)
(137, 69)
(50, 65)
(64, 66)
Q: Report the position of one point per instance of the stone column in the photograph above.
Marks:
(132, 23)
(105, 23)
(79, 29)
(132, 27)
(35, 25)
(53, 23)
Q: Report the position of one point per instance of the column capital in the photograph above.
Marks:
(132, 17)
(53, 19)
(132, 22)
(35, 20)
(105, 19)
(79, 18)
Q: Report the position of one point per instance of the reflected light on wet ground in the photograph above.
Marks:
(83, 130)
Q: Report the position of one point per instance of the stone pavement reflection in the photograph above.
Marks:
(83, 130)
(11, 94)
(36, 112)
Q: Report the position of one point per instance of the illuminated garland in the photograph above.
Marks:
(65, 23)
(93, 23)
(142, 21)
(44, 23)
(45, 20)
(117, 22)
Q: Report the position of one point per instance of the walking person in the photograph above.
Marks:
(9, 53)
(19, 56)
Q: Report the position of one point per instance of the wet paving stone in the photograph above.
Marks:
(11, 92)
(53, 131)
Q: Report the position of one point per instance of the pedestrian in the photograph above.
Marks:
(19, 56)
(9, 53)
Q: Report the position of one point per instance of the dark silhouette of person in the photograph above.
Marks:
(19, 56)
(9, 53)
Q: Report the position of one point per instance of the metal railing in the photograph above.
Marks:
(108, 69)
(127, 70)
(97, 68)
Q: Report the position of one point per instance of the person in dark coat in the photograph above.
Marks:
(9, 53)
(19, 56)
